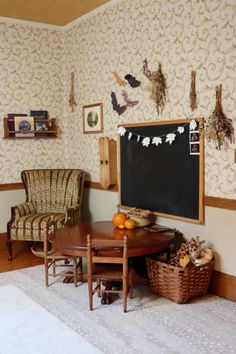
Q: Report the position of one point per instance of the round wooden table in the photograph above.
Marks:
(72, 240)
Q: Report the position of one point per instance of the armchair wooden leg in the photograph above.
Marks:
(9, 248)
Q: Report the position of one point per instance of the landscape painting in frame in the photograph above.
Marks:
(93, 118)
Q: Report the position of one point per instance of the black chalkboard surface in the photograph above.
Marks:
(165, 179)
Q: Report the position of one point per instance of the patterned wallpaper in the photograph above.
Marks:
(180, 34)
(30, 78)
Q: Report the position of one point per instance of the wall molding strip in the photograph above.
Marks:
(11, 186)
(222, 203)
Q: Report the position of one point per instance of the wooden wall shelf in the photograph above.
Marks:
(43, 134)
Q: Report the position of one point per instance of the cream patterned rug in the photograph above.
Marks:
(151, 325)
(27, 328)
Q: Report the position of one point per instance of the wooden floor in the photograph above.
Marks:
(22, 256)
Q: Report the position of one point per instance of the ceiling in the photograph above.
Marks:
(54, 12)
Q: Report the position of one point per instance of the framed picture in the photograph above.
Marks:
(93, 118)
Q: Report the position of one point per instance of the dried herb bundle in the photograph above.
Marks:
(158, 89)
(193, 94)
(72, 102)
(219, 126)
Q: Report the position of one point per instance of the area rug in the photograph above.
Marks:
(206, 325)
(27, 328)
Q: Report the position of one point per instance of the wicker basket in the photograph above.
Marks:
(178, 284)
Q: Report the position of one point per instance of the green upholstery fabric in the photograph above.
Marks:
(32, 227)
(49, 193)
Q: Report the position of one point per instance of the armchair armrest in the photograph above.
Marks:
(23, 209)
(73, 214)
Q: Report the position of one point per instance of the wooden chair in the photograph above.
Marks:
(55, 260)
(108, 261)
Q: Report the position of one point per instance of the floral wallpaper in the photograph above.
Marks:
(182, 35)
(31, 78)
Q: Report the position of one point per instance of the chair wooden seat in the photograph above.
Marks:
(108, 272)
(102, 267)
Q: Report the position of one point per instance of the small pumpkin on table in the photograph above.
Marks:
(122, 221)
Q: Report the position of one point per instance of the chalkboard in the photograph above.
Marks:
(165, 179)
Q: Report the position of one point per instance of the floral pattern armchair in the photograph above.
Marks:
(50, 193)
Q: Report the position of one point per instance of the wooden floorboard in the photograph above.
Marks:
(22, 256)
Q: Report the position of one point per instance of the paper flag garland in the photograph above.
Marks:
(157, 140)
(193, 125)
(121, 131)
(146, 142)
(180, 130)
(170, 138)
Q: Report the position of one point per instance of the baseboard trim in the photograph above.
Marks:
(11, 186)
(222, 203)
(3, 234)
(223, 285)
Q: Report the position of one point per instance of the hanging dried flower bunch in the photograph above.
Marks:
(219, 126)
(158, 89)
(72, 102)
(193, 94)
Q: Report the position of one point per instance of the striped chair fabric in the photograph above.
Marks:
(50, 193)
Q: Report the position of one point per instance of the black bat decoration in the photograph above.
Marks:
(132, 80)
(116, 106)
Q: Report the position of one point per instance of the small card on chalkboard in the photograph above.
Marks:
(194, 141)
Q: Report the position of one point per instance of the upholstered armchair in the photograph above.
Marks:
(50, 193)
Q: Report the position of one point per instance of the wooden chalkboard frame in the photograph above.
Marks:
(201, 216)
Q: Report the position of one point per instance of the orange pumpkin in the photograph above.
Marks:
(130, 224)
(119, 219)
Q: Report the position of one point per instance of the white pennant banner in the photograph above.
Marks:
(157, 140)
